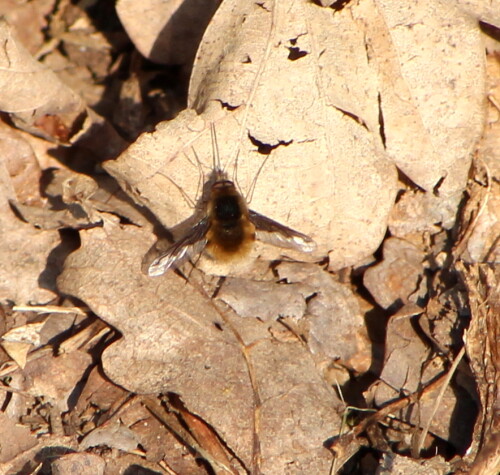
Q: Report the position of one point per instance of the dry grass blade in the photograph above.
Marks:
(51, 309)
(445, 382)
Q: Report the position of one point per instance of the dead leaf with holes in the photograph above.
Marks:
(329, 118)
(313, 110)
(268, 107)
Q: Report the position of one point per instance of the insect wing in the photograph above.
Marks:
(272, 232)
(190, 245)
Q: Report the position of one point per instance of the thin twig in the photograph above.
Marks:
(445, 384)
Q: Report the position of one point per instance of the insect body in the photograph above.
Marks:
(231, 232)
(228, 231)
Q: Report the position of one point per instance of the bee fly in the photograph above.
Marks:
(228, 229)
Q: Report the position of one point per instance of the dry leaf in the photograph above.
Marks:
(304, 182)
(316, 107)
(274, 300)
(333, 326)
(66, 371)
(14, 439)
(399, 81)
(27, 460)
(33, 95)
(25, 272)
(417, 212)
(24, 255)
(20, 340)
(410, 365)
(18, 351)
(29, 20)
(174, 28)
(79, 201)
(429, 88)
(340, 104)
(39, 102)
(116, 436)
(175, 340)
(395, 280)
(171, 339)
(29, 333)
(405, 355)
(21, 171)
(78, 464)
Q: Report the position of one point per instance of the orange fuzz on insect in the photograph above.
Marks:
(231, 233)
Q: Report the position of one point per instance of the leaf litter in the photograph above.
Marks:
(297, 362)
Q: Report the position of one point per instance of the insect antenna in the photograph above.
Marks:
(235, 174)
(197, 164)
(217, 168)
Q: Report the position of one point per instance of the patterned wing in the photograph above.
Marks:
(272, 232)
(188, 246)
